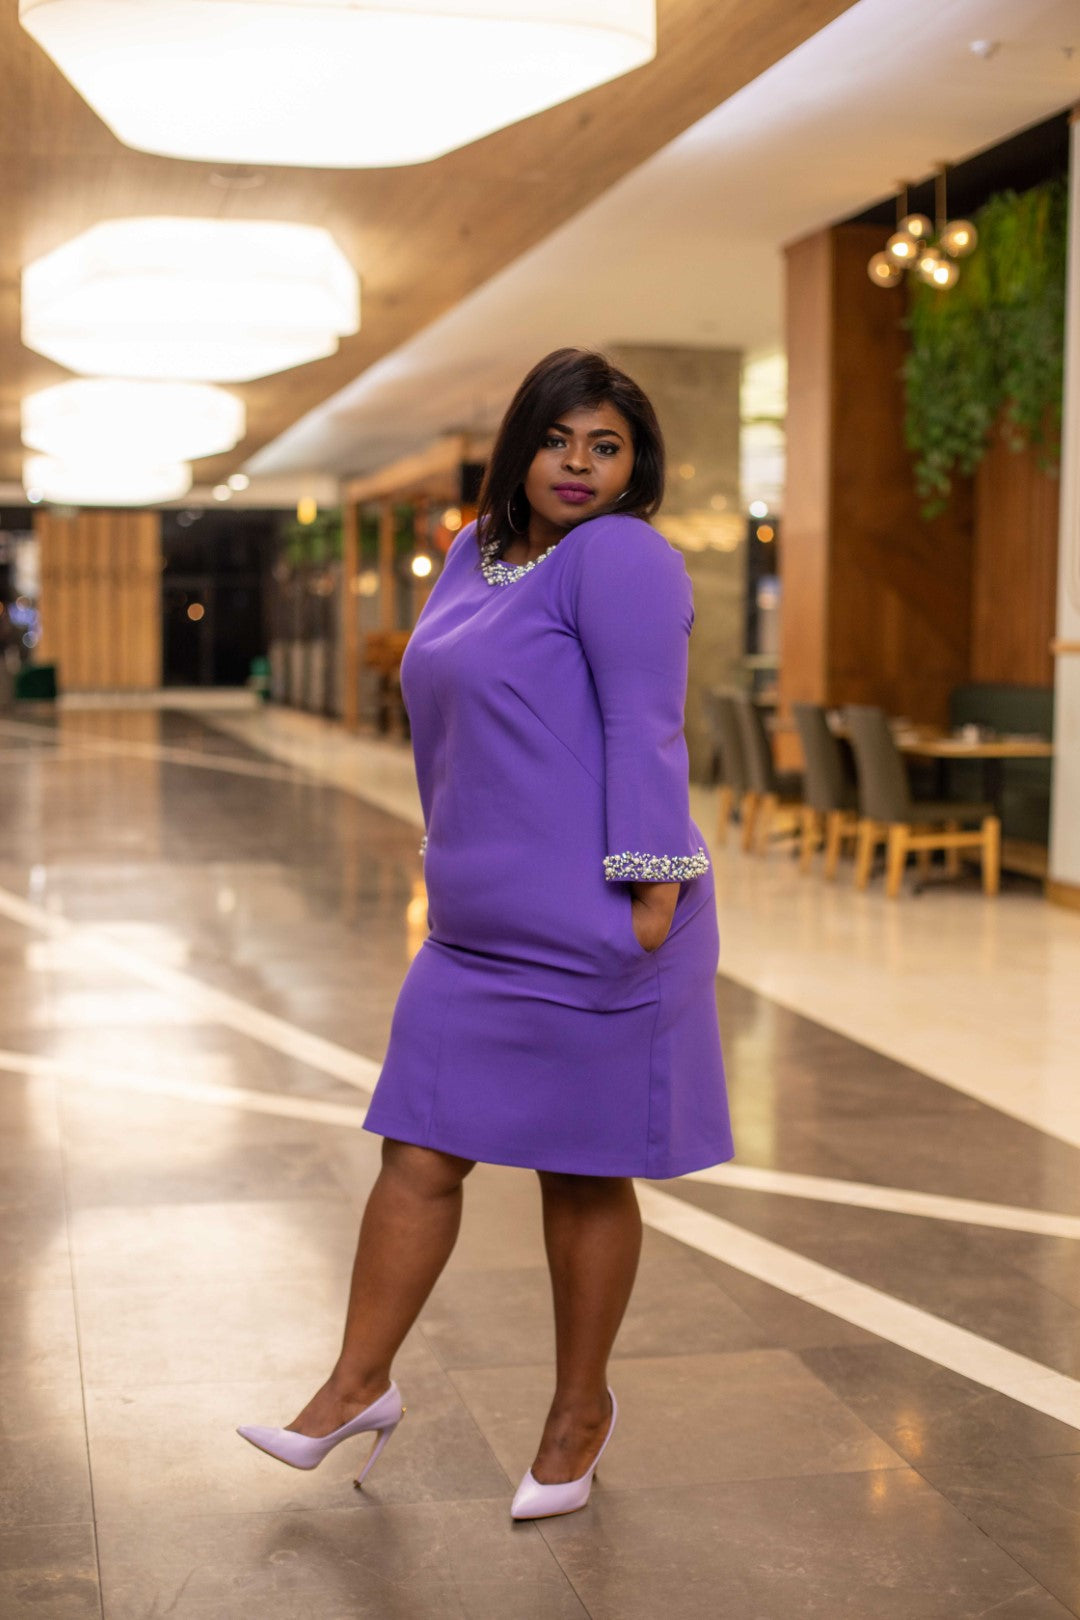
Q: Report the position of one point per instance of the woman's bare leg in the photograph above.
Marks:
(592, 1232)
(408, 1230)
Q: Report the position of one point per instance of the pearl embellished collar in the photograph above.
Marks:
(497, 572)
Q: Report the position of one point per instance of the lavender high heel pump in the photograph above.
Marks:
(536, 1501)
(381, 1418)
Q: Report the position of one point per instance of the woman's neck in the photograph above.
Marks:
(539, 537)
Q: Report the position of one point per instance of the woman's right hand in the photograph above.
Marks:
(652, 906)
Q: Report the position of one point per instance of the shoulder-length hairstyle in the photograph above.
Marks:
(562, 382)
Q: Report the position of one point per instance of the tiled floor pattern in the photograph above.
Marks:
(1024, 1378)
(170, 1266)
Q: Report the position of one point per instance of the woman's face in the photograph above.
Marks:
(583, 465)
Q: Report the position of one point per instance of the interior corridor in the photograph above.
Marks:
(850, 1375)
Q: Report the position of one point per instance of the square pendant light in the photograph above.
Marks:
(332, 83)
(206, 299)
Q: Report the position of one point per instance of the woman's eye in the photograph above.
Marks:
(607, 447)
(553, 442)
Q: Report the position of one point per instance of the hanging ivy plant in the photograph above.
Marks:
(313, 544)
(991, 348)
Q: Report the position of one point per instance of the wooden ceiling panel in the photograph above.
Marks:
(421, 237)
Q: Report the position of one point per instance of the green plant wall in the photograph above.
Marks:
(991, 348)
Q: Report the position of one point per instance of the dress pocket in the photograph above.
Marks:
(635, 943)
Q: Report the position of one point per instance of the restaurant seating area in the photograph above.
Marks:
(855, 792)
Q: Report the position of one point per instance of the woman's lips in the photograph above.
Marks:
(576, 494)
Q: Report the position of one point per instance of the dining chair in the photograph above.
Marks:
(889, 814)
(768, 790)
(831, 811)
(728, 753)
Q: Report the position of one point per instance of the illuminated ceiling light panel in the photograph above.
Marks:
(100, 483)
(337, 84)
(208, 299)
(152, 421)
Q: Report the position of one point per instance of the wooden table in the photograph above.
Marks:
(942, 745)
(991, 752)
(929, 742)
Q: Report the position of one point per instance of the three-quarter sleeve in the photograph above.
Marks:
(634, 611)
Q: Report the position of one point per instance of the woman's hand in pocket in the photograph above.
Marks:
(652, 906)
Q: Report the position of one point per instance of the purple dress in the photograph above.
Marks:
(546, 704)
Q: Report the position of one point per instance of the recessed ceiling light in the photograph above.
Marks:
(984, 48)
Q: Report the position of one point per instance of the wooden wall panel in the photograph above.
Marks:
(350, 616)
(899, 626)
(1014, 606)
(876, 605)
(807, 508)
(387, 566)
(101, 599)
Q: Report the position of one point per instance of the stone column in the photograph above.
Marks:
(696, 396)
(1064, 882)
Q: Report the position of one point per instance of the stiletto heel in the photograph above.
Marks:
(381, 1418)
(536, 1501)
(382, 1439)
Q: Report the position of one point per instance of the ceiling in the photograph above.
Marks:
(422, 238)
(686, 248)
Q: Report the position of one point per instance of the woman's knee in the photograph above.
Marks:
(560, 1185)
(427, 1170)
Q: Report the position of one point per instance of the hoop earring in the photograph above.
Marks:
(510, 516)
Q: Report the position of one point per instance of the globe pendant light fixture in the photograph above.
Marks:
(959, 238)
(936, 270)
(902, 248)
(918, 226)
(86, 419)
(204, 299)
(884, 271)
(105, 483)
(906, 244)
(911, 245)
(337, 84)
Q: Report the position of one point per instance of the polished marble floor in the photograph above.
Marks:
(850, 1375)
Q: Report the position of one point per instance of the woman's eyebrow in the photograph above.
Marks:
(596, 433)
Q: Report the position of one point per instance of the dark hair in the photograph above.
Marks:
(563, 381)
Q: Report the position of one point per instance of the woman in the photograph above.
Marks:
(561, 1014)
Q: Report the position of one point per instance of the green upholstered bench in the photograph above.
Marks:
(1012, 709)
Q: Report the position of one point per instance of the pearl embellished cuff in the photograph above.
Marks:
(633, 867)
